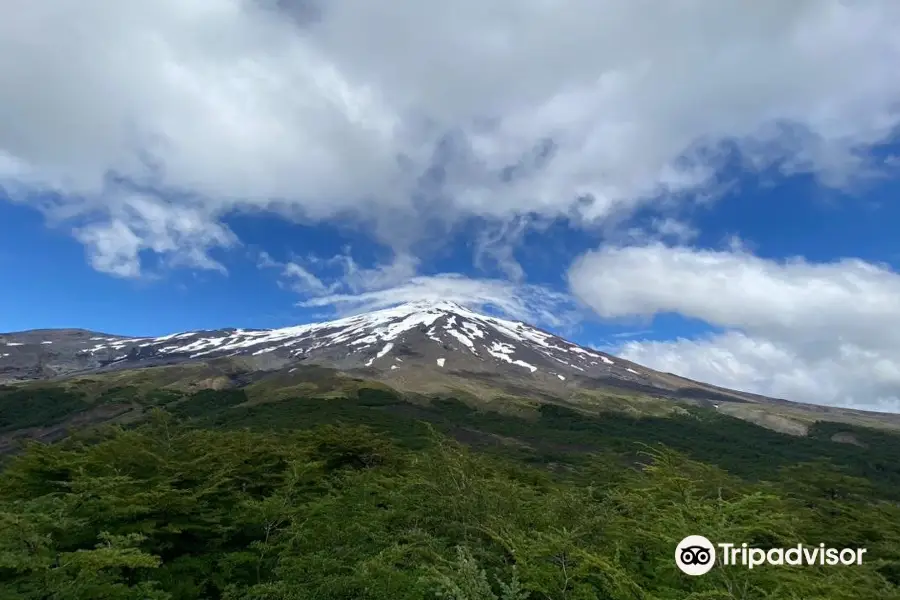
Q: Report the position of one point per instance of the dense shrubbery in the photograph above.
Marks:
(195, 506)
(33, 407)
(564, 435)
(206, 402)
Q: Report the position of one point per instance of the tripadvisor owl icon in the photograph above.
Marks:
(695, 555)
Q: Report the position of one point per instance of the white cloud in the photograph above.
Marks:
(298, 273)
(295, 276)
(679, 231)
(419, 111)
(114, 248)
(354, 289)
(356, 279)
(304, 280)
(803, 331)
(658, 229)
(630, 334)
(136, 223)
(532, 304)
(843, 374)
(496, 246)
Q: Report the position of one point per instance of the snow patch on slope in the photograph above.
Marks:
(466, 341)
(473, 329)
(382, 352)
(502, 351)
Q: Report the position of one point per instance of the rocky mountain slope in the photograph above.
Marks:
(421, 347)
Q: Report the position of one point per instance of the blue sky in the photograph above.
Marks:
(710, 191)
(56, 286)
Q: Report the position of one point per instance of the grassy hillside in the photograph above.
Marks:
(236, 493)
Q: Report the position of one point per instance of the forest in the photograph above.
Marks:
(373, 497)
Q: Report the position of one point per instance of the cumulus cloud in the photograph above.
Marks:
(402, 115)
(843, 375)
(816, 332)
(179, 233)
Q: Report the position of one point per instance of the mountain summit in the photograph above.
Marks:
(441, 334)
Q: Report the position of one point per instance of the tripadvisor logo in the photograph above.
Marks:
(696, 555)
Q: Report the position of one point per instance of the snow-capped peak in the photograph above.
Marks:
(390, 339)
